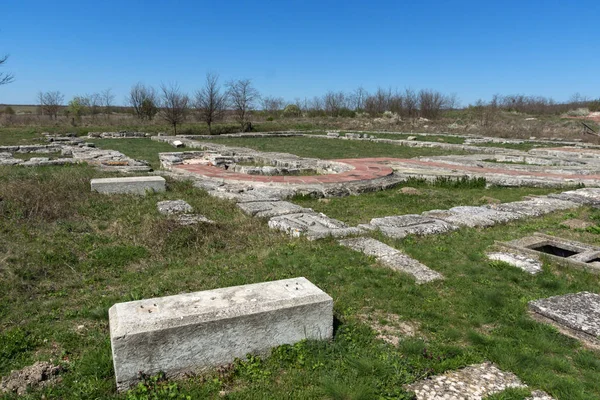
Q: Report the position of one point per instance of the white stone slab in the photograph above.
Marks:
(528, 264)
(392, 258)
(129, 185)
(312, 225)
(194, 331)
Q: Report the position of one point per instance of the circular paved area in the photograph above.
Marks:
(362, 170)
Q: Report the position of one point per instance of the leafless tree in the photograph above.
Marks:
(431, 103)
(242, 96)
(334, 102)
(174, 105)
(358, 98)
(50, 102)
(144, 101)
(411, 103)
(210, 102)
(107, 99)
(272, 105)
(5, 77)
(90, 104)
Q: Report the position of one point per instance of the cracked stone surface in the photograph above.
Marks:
(587, 196)
(539, 395)
(169, 207)
(312, 225)
(268, 209)
(535, 207)
(579, 313)
(471, 383)
(400, 226)
(528, 264)
(392, 258)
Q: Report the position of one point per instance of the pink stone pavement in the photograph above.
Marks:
(365, 169)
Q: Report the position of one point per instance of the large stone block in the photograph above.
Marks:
(129, 185)
(191, 332)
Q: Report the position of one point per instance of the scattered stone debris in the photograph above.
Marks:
(169, 207)
(183, 212)
(539, 395)
(575, 315)
(528, 264)
(40, 374)
(471, 383)
(392, 258)
(268, 209)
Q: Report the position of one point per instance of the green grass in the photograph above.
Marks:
(441, 196)
(139, 149)
(329, 148)
(29, 156)
(421, 138)
(67, 255)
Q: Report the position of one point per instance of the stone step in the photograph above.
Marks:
(194, 331)
(129, 185)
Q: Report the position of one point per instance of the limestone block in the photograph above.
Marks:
(530, 264)
(194, 331)
(129, 185)
(576, 315)
(392, 258)
(168, 207)
(268, 209)
(401, 226)
(312, 225)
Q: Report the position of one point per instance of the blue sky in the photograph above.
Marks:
(302, 49)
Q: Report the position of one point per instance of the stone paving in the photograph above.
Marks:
(471, 383)
(576, 315)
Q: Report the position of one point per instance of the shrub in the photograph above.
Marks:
(579, 112)
(292, 110)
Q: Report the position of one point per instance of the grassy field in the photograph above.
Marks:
(437, 196)
(330, 148)
(67, 255)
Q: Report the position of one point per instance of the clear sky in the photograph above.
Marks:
(303, 48)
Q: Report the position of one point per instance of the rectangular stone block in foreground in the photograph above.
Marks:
(190, 332)
(129, 185)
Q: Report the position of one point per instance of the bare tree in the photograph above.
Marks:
(210, 102)
(431, 103)
(174, 105)
(272, 105)
(144, 101)
(90, 103)
(243, 97)
(5, 77)
(50, 102)
(358, 98)
(411, 103)
(106, 100)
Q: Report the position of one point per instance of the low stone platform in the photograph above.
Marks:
(400, 226)
(392, 258)
(575, 315)
(190, 332)
(129, 185)
(312, 225)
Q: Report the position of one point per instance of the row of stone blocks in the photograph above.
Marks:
(191, 332)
